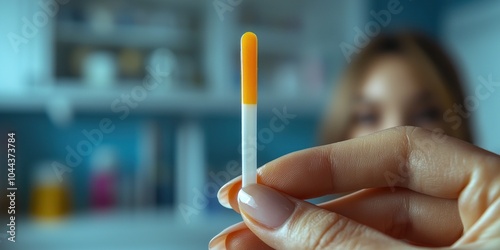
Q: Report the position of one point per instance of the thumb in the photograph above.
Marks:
(284, 222)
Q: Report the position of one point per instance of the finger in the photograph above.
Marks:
(219, 241)
(283, 222)
(237, 236)
(400, 157)
(403, 214)
(227, 194)
(487, 227)
(245, 239)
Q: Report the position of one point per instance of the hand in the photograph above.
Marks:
(413, 189)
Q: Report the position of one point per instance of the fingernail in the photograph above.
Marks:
(265, 205)
(219, 241)
(222, 195)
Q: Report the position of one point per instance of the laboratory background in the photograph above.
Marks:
(126, 114)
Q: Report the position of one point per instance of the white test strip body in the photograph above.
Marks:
(249, 143)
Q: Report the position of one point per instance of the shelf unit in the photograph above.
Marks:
(127, 36)
(180, 103)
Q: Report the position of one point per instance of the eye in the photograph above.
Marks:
(366, 118)
(427, 115)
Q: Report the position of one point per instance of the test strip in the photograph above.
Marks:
(249, 108)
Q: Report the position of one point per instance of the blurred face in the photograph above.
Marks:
(391, 95)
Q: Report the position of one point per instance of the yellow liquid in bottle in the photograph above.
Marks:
(49, 202)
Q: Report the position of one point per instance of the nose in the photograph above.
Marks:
(393, 120)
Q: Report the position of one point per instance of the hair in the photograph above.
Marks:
(426, 57)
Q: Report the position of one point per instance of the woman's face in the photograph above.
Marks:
(393, 95)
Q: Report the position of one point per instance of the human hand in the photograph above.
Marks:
(413, 189)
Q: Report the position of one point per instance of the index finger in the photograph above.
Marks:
(407, 157)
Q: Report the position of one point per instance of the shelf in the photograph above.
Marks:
(124, 230)
(278, 41)
(133, 36)
(184, 103)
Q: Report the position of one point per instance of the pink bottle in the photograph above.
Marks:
(103, 180)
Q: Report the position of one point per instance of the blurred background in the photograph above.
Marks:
(127, 113)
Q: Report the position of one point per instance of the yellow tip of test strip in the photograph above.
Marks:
(249, 68)
(249, 108)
